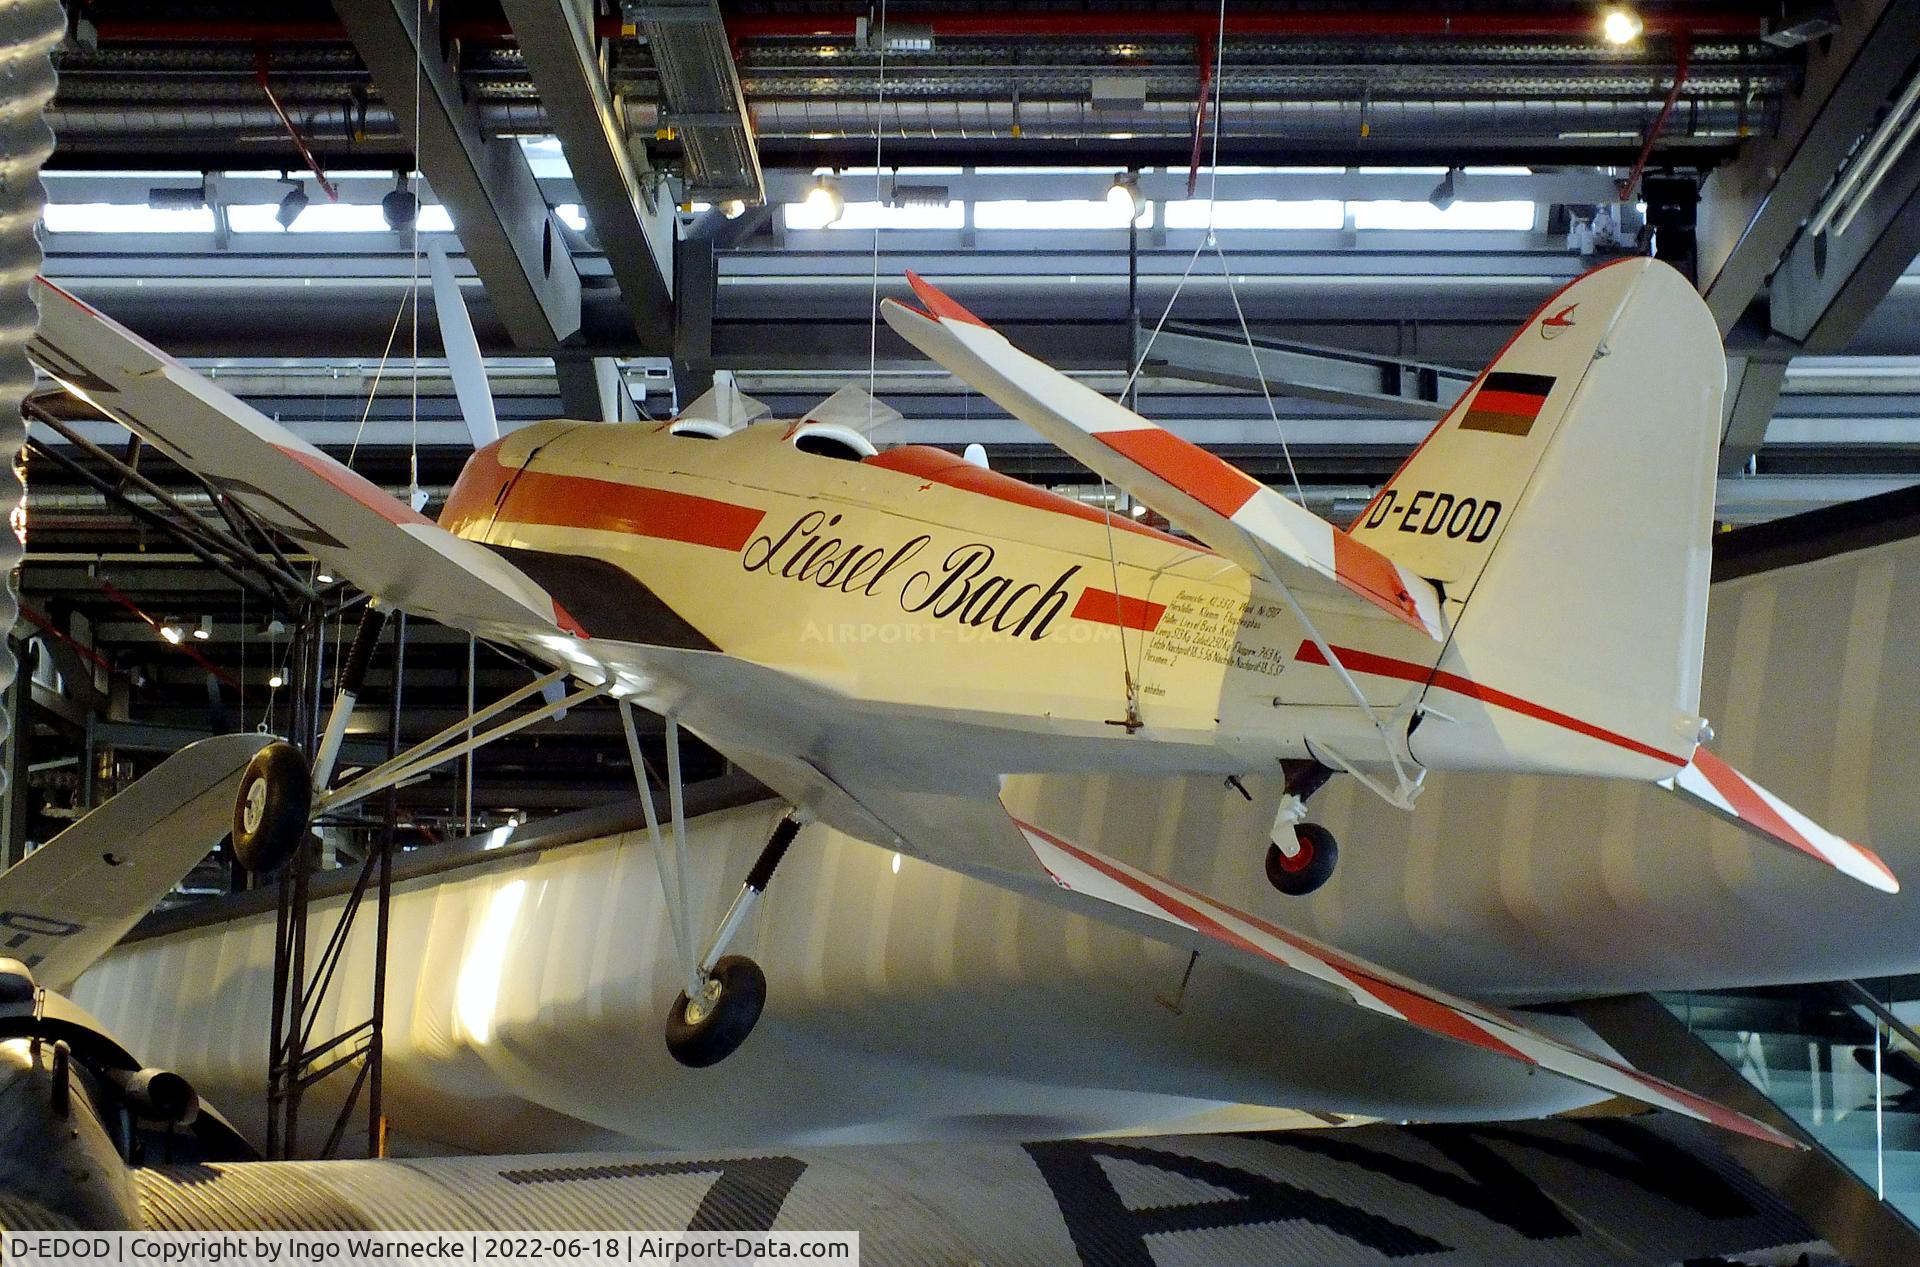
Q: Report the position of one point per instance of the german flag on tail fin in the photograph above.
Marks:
(1507, 403)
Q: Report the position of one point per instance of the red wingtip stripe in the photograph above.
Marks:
(1749, 804)
(939, 304)
(1215, 483)
(1373, 576)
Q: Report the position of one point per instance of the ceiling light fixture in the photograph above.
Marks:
(203, 630)
(1125, 198)
(1444, 193)
(292, 205)
(400, 208)
(276, 682)
(172, 632)
(826, 200)
(1621, 25)
(733, 208)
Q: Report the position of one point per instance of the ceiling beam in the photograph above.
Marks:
(1751, 208)
(1753, 392)
(510, 234)
(632, 218)
(1831, 281)
(1385, 385)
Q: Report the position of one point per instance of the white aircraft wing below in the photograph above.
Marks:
(386, 548)
(1201, 924)
(1223, 506)
(70, 900)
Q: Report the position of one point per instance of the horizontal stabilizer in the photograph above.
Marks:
(70, 900)
(1709, 781)
(1223, 506)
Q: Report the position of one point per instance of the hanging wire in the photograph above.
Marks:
(413, 442)
(1209, 240)
(879, 200)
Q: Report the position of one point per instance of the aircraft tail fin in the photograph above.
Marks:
(1565, 507)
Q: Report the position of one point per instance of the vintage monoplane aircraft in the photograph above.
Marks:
(882, 637)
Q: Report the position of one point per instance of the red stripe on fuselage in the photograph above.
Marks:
(579, 501)
(1109, 608)
(1407, 671)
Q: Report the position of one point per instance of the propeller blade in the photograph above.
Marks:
(463, 351)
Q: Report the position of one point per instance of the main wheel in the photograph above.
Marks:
(706, 1030)
(273, 809)
(1310, 865)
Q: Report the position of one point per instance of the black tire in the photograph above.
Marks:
(718, 1034)
(1310, 868)
(273, 809)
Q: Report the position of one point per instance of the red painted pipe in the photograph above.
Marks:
(261, 60)
(82, 649)
(1200, 107)
(1681, 55)
(112, 591)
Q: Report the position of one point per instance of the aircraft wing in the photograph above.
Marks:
(1712, 783)
(863, 789)
(1214, 500)
(1173, 912)
(78, 894)
(357, 529)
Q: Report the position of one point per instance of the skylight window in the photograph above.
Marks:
(1389, 214)
(1257, 213)
(1020, 213)
(319, 216)
(545, 157)
(873, 215)
(124, 217)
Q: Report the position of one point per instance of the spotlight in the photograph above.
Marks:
(324, 577)
(1124, 197)
(276, 682)
(733, 208)
(1443, 193)
(1621, 25)
(826, 201)
(203, 630)
(400, 207)
(172, 632)
(291, 206)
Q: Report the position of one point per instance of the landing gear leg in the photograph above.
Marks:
(723, 994)
(1303, 855)
(706, 1026)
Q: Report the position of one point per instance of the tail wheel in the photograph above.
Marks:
(273, 808)
(1308, 866)
(706, 1030)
